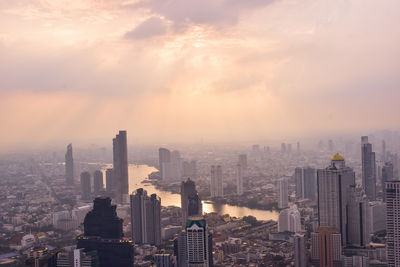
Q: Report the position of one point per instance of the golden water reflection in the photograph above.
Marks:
(138, 173)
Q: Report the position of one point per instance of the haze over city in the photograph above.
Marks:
(185, 71)
(199, 133)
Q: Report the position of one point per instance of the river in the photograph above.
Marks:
(138, 173)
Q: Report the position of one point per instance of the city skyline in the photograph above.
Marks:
(252, 65)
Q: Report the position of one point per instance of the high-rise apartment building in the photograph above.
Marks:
(103, 233)
(85, 186)
(300, 259)
(146, 218)
(383, 156)
(164, 157)
(283, 193)
(120, 183)
(377, 216)
(306, 183)
(310, 183)
(368, 168)
(197, 242)
(109, 180)
(216, 181)
(393, 223)
(69, 166)
(190, 201)
(98, 185)
(358, 220)
(299, 182)
(334, 183)
(289, 220)
(164, 260)
(326, 248)
(239, 179)
(387, 175)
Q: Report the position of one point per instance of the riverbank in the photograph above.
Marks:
(246, 200)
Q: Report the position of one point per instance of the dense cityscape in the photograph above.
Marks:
(334, 205)
(199, 133)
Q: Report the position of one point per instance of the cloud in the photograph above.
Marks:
(205, 12)
(149, 28)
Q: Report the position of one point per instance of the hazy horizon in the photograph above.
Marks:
(196, 71)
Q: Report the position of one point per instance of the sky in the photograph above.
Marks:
(191, 70)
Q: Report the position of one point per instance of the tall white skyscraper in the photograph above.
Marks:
(216, 181)
(239, 179)
(283, 193)
(393, 223)
(368, 168)
(289, 220)
(333, 185)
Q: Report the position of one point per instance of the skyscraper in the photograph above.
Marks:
(146, 218)
(333, 185)
(190, 201)
(85, 186)
(387, 175)
(300, 259)
(326, 249)
(283, 193)
(103, 233)
(368, 168)
(98, 185)
(216, 181)
(392, 223)
(120, 184)
(164, 156)
(383, 156)
(69, 166)
(239, 179)
(197, 242)
(299, 181)
(109, 180)
(358, 229)
(310, 183)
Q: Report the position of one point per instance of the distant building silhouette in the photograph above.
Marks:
(239, 179)
(387, 175)
(103, 233)
(69, 166)
(85, 186)
(283, 186)
(190, 201)
(120, 185)
(368, 168)
(98, 185)
(164, 157)
(146, 218)
(216, 187)
(109, 180)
